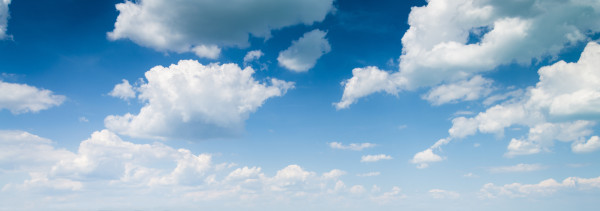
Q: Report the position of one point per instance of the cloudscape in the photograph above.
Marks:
(299, 105)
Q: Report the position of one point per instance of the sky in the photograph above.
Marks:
(299, 105)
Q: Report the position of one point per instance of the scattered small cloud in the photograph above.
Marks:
(352, 146)
(374, 158)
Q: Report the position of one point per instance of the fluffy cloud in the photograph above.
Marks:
(191, 100)
(22, 98)
(124, 91)
(4, 14)
(304, 52)
(451, 41)
(374, 158)
(104, 163)
(352, 146)
(563, 106)
(366, 81)
(543, 188)
(464, 90)
(422, 159)
(203, 27)
(521, 167)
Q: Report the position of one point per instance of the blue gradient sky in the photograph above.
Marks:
(63, 46)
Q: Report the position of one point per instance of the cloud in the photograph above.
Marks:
(134, 173)
(369, 174)
(465, 90)
(124, 91)
(352, 146)
(521, 167)
(194, 101)
(443, 194)
(562, 106)
(449, 42)
(374, 158)
(544, 188)
(422, 159)
(366, 81)
(4, 15)
(252, 55)
(304, 52)
(22, 98)
(203, 27)
(591, 145)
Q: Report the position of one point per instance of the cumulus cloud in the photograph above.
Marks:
(203, 27)
(22, 98)
(352, 146)
(194, 101)
(591, 145)
(562, 106)
(124, 91)
(521, 167)
(105, 163)
(374, 158)
(422, 159)
(4, 14)
(439, 48)
(544, 188)
(304, 52)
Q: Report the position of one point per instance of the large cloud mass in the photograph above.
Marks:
(563, 106)
(203, 27)
(22, 98)
(191, 100)
(449, 41)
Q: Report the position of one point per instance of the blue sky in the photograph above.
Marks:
(298, 105)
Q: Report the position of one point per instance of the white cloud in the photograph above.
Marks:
(443, 194)
(548, 109)
(194, 101)
(422, 159)
(104, 163)
(4, 15)
(21, 149)
(369, 174)
(591, 145)
(203, 27)
(521, 167)
(22, 98)
(544, 188)
(352, 146)
(252, 55)
(465, 90)
(124, 91)
(304, 52)
(437, 48)
(333, 174)
(366, 81)
(374, 158)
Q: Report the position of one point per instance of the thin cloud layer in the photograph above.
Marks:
(22, 98)
(203, 27)
(104, 163)
(544, 188)
(452, 41)
(4, 15)
(190, 100)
